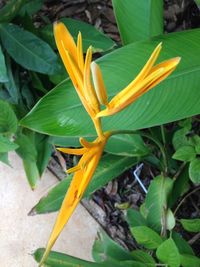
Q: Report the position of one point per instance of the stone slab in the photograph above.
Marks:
(21, 234)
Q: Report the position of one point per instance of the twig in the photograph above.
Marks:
(186, 196)
(194, 239)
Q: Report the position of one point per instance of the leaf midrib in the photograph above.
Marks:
(24, 47)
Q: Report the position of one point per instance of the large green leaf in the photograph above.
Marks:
(156, 201)
(10, 10)
(3, 71)
(190, 261)
(28, 50)
(109, 167)
(90, 35)
(191, 225)
(168, 253)
(56, 259)
(131, 145)
(146, 236)
(27, 151)
(182, 244)
(8, 120)
(61, 113)
(6, 145)
(104, 247)
(138, 20)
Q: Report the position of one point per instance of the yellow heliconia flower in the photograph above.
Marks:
(78, 70)
(92, 96)
(91, 153)
(149, 77)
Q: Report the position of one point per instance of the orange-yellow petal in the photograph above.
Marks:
(75, 192)
(80, 52)
(72, 151)
(62, 35)
(126, 97)
(89, 91)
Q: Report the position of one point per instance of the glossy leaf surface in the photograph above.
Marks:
(138, 20)
(61, 113)
(28, 50)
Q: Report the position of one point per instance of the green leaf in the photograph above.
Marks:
(27, 151)
(26, 148)
(185, 153)
(56, 259)
(28, 50)
(180, 139)
(8, 120)
(168, 253)
(131, 145)
(182, 244)
(170, 220)
(109, 167)
(6, 145)
(31, 7)
(10, 10)
(156, 201)
(144, 257)
(90, 35)
(190, 261)
(194, 171)
(44, 149)
(135, 218)
(32, 172)
(146, 236)
(138, 20)
(12, 86)
(3, 71)
(197, 2)
(105, 248)
(181, 185)
(191, 225)
(4, 158)
(161, 105)
(195, 140)
(64, 141)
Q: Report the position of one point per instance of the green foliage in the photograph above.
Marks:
(144, 21)
(30, 68)
(146, 236)
(194, 171)
(109, 167)
(159, 189)
(191, 225)
(168, 253)
(8, 120)
(10, 10)
(131, 145)
(3, 71)
(28, 50)
(158, 106)
(91, 36)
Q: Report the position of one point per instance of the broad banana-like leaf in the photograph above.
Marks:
(138, 20)
(60, 112)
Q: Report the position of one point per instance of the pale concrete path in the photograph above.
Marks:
(20, 234)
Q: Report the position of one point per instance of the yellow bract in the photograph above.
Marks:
(92, 96)
(91, 154)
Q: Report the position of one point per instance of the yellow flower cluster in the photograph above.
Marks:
(93, 95)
